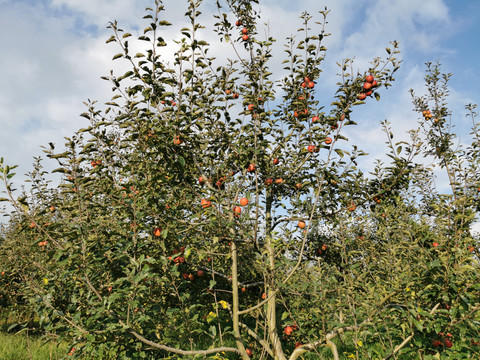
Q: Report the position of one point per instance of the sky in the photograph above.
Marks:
(53, 54)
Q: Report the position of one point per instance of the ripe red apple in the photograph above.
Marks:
(311, 148)
(235, 96)
(374, 83)
(249, 351)
(367, 86)
(200, 273)
(315, 119)
(243, 201)
(245, 37)
(288, 330)
(244, 30)
(269, 182)
(276, 161)
(279, 181)
(238, 23)
(361, 96)
(157, 231)
(228, 91)
(298, 185)
(301, 224)
(191, 277)
(251, 107)
(352, 207)
(436, 343)
(448, 343)
(435, 244)
(201, 180)
(311, 84)
(369, 78)
(251, 168)
(368, 93)
(237, 210)
(206, 203)
(328, 141)
(298, 344)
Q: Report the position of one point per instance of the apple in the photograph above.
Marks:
(367, 86)
(369, 78)
(243, 201)
(311, 84)
(245, 37)
(235, 96)
(249, 351)
(276, 161)
(436, 343)
(200, 273)
(301, 224)
(361, 96)
(351, 207)
(374, 83)
(269, 182)
(237, 210)
(157, 231)
(228, 91)
(315, 119)
(368, 93)
(201, 180)
(448, 343)
(243, 289)
(244, 30)
(298, 344)
(206, 203)
(288, 330)
(435, 244)
(177, 140)
(251, 107)
(311, 148)
(251, 168)
(264, 296)
(328, 141)
(279, 181)
(185, 276)
(298, 185)
(238, 23)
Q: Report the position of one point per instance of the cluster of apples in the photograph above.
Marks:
(445, 339)
(427, 114)
(244, 31)
(367, 88)
(43, 243)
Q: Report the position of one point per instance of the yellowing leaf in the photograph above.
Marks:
(223, 303)
(211, 316)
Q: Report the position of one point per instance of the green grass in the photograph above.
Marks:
(23, 347)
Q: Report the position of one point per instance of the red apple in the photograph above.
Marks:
(276, 161)
(328, 141)
(288, 330)
(315, 119)
(243, 201)
(369, 78)
(311, 148)
(301, 224)
(157, 231)
(206, 203)
(244, 30)
(249, 351)
(245, 37)
(361, 96)
(237, 210)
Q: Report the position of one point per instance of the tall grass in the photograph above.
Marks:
(27, 347)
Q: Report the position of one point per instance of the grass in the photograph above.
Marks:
(28, 347)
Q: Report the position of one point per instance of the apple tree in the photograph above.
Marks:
(215, 209)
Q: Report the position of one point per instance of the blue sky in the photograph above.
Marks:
(54, 52)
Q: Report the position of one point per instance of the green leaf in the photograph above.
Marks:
(119, 55)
